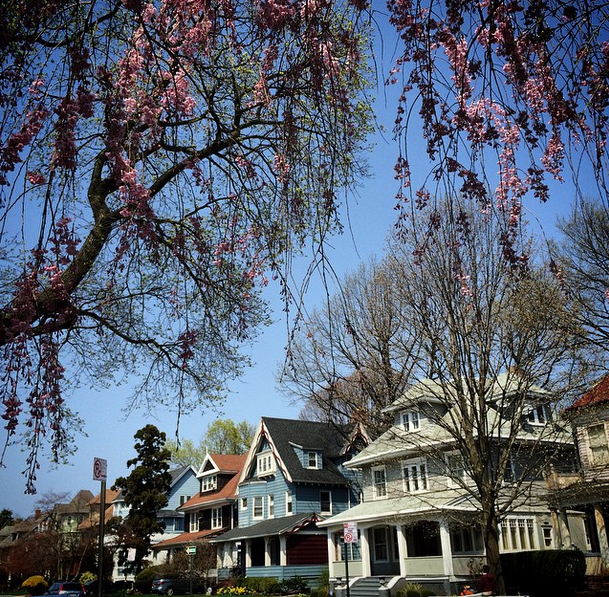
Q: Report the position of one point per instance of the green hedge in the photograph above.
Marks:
(544, 572)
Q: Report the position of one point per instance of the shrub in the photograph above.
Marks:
(545, 572)
(87, 577)
(143, 581)
(35, 585)
(297, 584)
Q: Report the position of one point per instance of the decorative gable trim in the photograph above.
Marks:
(262, 434)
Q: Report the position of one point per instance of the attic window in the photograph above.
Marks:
(312, 460)
(411, 420)
(266, 464)
(209, 483)
(539, 415)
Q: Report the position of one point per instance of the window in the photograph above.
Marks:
(266, 464)
(312, 460)
(415, 476)
(539, 415)
(244, 503)
(81, 519)
(209, 483)
(455, 469)
(340, 547)
(258, 510)
(288, 502)
(381, 553)
(466, 539)
(548, 540)
(517, 534)
(271, 506)
(411, 420)
(69, 520)
(325, 502)
(216, 518)
(379, 481)
(597, 441)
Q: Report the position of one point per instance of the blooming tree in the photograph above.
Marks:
(510, 96)
(158, 160)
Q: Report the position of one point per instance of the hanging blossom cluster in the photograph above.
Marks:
(527, 80)
(159, 151)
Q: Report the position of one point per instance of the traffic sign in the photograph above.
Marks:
(350, 532)
(191, 550)
(100, 467)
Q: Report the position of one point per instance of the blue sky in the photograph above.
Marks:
(108, 431)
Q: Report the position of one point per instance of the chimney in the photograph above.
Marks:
(37, 514)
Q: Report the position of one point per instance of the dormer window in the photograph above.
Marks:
(312, 460)
(266, 464)
(209, 483)
(411, 420)
(539, 415)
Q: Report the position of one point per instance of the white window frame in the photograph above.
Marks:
(455, 467)
(517, 534)
(289, 502)
(410, 420)
(415, 475)
(258, 505)
(271, 505)
(329, 501)
(312, 460)
(243, 503)
(216, 518)
(265, 464)
(209, 483)
(539, 415)
(379, 485)
(598, 446)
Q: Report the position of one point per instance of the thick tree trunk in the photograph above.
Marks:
(491, 543)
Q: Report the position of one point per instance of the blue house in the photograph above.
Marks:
(293, 477)
(184, 484)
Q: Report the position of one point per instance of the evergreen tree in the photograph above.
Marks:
(146, 489)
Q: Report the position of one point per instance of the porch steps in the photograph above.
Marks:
(365, 587)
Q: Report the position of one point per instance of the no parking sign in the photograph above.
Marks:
(350, 532)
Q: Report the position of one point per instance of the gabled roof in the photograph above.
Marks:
(284, 435)
(221, 463)
(598, 394)
(78, 504)
(186, 538)
(398, 442)
(226, 494)
(429, 390)
(94, 505)
(286, 525)
(178, 473)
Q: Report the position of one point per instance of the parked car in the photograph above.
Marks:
(172, 586)
(91, 587)
(66, 589)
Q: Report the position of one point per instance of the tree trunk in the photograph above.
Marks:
(491, 542)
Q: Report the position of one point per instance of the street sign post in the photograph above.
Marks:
(349, 536)
(100, 472)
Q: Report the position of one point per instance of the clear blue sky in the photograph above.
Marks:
(109, 431)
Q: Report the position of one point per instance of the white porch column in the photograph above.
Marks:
(283, 551)
(365, 550)
(267, 551)
(563, 526)
(402, 548)
(601, 531)
(331, 551)
(248, 553)
(447, 552)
